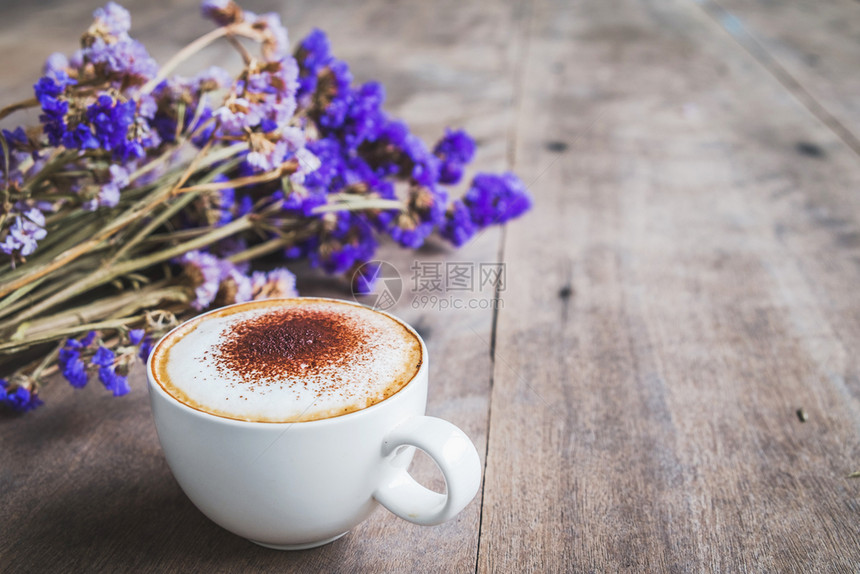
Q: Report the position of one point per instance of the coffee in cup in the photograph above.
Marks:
(288, 422)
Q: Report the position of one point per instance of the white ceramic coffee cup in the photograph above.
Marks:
(299, 485)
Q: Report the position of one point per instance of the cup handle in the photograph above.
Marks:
(454, 454)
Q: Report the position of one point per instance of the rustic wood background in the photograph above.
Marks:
(686, 282)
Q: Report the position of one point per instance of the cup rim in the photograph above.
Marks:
(156, 386)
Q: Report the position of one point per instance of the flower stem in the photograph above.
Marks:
(182, 55)
(107, 274)
(288, 167)
(132, 214)
(22, 105)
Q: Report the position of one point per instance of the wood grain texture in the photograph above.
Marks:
(690, 285)
(684, 285)
(85, 486)
(808, 46)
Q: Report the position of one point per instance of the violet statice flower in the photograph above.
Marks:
(23, 236)
(313, 54)
(338, 79)
(234, 287)
(21, 150)
(277, 283)
(494, 199)
(146, 347)
(113, 19)
(56, 62)
(365, 278)
(276, 43)
(51, 94)
(455, 150)
(19, 399)
(350, 242)
(363, 118)
(211, 79)
(300, 201)
(103, 357)
(113, 381)
(112, 52)
(308, 163)
(264, 102)
(270, 150)
(225, 203)
(237, 115)
(329, 176)
(135, 336)
(215, 280)
(205, 272)
(192, 93)
(425, 211)
(222, 12)
(116, 128)
(71, 365)
(109, 192)
(401, 153)
(458, 227)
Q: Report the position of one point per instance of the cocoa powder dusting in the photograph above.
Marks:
(289, 342)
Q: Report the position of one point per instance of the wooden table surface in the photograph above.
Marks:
(686, 282)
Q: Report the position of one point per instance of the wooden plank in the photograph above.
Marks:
(85, 486)
(811, 47)
(685, 284)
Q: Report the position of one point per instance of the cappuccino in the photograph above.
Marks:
(287, 360)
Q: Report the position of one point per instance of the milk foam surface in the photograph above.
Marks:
(286, 361)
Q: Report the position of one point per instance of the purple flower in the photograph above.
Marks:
(458, 227)
(192, 94)
(205, 271)
(27, 229)
(222, 12)
(237, 116)
(113, 19)
(87, 340)
(276, 44)
(307, 164)
(126, 60)
(114, 382)
(135, 336)
(425, 211)
(21, 151)
(20, 399)
(276, 283)
(313, 54)
(225, 202)
(113, 121)
(23, 400)
(50, 92)
(103, 357)
(114, 54)
(351, 242)
(146, 348)
(365, 278)
(455, 150)
(494, 199)
(410, 232)
(401, 153)
(56, 62)
(234, 287)
(109, 192)
(73, 368)
(212, 78)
